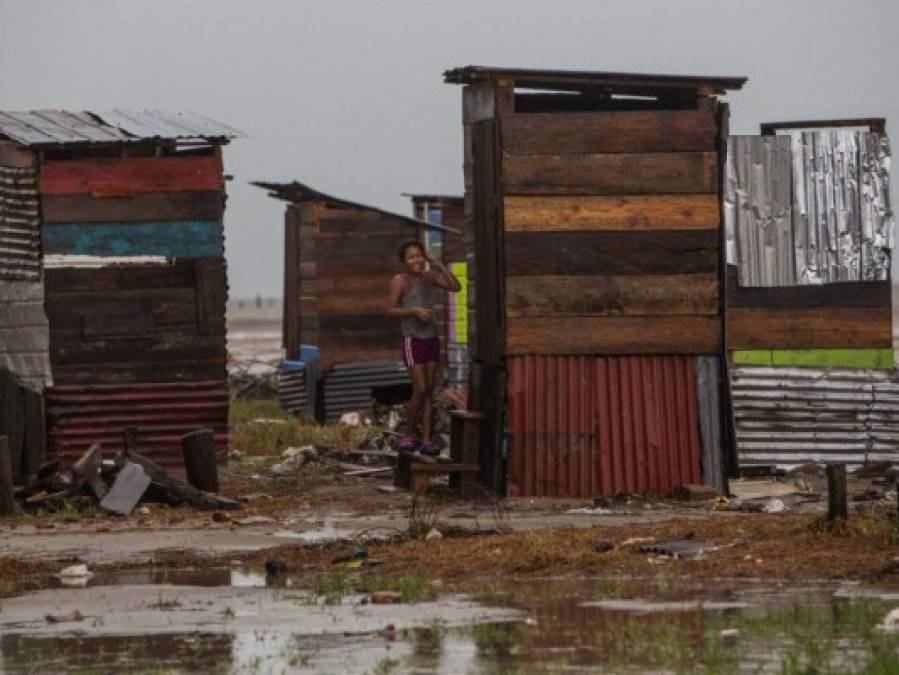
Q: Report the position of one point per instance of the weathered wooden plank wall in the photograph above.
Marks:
(125, 176)
(138, 323)
(854, 315)
(191, 239)
(612, 242)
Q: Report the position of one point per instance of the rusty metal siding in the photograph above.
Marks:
(788, 416)
(19, 224)
(79, 416)
(580, 426)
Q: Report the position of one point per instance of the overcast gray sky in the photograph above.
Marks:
(348, 95)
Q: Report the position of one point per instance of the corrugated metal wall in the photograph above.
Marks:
(788, 416)
(19, 233)
(82, 415)
(24, 334)
(580, 426)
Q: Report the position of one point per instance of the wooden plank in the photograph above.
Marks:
(152, 206)
(7, 500)
(614, 335)
(610, 253)
(628, 174)
(598, 213)
(212, 296)
(140, 174)
(604, 132)
(60, 280)
(182, 238)
(198, 449)
(148, 370)
(841, 294)
(628, 295)
(809, 327)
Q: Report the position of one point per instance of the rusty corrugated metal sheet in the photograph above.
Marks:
(788, 416)
(580, 426)
(59, 127)
(78, 416)
(20, 238)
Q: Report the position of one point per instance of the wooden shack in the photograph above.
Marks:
(809, 297)
(339, 257)
(130, 266)
(595, 209)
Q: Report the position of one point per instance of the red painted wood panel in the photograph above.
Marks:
(135, 174)
(582, 426)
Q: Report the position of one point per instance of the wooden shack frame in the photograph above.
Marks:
(127, 256)
(594, 205)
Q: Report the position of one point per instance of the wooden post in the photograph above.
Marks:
(7, 503)
(199, 460)
(837, 496)
(130, 439)
(465, 439)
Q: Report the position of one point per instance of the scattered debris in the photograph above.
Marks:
(354, 419)
(220, 517)
(890, 623)
(774, 505)
(386, 598)
(293, 459)
(358, 553)
(696, 493)
(130, 485)
(681, 548)
(598, 511)
(253, 520)
(433, 534)
(75, 575)
(604, 546)
(65, 618)
(729, 635)
(387, 489)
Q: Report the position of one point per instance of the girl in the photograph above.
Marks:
(412, 297)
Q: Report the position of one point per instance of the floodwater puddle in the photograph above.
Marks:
(228, 620)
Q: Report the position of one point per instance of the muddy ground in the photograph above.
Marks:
(286, 583)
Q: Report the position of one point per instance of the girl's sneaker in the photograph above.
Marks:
(428, 448)
(407, 444)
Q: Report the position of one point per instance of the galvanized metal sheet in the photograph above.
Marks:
(829, 169)
(581, 426)
(60, 127)
(19, 224)
(788, 416)
(166, 124)
(350, 386)
(708, 403)
(757, 209)
(841, 227)
(79, 416)
(24, 332)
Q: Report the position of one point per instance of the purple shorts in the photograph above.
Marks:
(420, 350)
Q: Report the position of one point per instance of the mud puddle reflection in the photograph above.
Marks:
(189, 624)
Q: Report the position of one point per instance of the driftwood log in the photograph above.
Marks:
(200, 464)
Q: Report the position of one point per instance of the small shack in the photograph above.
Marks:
(339, 257)
(113, 291)
(595, 211)
(810, 233)
(454, 251)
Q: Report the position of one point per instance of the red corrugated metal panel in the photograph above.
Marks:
(581, 426)
(78, 416)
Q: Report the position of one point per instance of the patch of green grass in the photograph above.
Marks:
(333, 587)
(260, 427)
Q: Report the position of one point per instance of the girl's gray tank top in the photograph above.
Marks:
(422, 293)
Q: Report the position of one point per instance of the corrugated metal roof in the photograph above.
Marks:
(297, 193)
(790, 416)
(61, 127)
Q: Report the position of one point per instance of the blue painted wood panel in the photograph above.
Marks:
(182, 238)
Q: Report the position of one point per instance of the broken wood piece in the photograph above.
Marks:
(43, 497)
(387, 489)
(837, 493)
(175, 491)
(369, 471)
(7, 501)
(127, 490)
(86, 467)
(198, 448)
